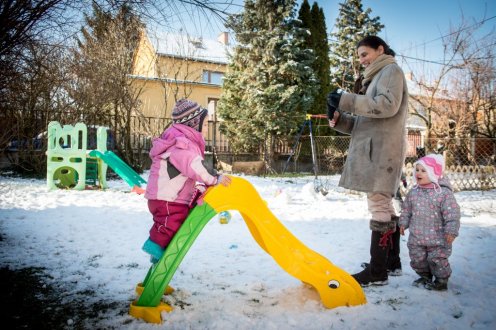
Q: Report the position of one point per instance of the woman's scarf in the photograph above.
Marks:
(364, 80)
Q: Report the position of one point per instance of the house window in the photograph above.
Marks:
(212, 77)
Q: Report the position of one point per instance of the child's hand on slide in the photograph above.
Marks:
(223, 180)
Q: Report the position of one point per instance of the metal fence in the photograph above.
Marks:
(470, 162)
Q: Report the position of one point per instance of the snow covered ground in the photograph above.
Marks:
(89, 243)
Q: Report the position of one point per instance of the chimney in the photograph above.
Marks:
(223, 38)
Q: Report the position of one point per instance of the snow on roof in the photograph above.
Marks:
(187, 46)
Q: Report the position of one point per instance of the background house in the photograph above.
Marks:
(168, 67)
(416, 128)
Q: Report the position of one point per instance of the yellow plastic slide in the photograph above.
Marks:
(335, 286)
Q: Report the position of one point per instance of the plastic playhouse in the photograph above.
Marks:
(335, 286)
(70, 165)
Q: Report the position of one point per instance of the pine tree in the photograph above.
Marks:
(322, 66)
(352, 25)
(314, 20)
(305, 16)
(270, 83)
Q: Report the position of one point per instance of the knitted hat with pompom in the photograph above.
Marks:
(189, 113)
(434, 166)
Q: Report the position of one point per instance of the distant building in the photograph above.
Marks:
(416, 128)
(168, 67)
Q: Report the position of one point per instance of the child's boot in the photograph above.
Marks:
(153, 249)
(439, 284)
(423, 280)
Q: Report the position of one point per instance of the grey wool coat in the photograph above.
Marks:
(377, 124)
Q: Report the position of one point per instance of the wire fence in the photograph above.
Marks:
(470, 162)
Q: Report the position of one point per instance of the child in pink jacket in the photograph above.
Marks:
(176, 169)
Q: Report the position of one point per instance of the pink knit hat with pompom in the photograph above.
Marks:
(434, 166)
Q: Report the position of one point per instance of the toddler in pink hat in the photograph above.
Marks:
(430, 171)
(432, 215)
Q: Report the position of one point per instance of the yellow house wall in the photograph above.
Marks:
(155, 103)
(161, 80)
(144, 59)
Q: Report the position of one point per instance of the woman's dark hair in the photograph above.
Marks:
(375, 42)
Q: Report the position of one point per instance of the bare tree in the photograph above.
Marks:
(38, 83)
(460, 101)
(34, 97)
(23, 21)
(24, 25)
(102, 61)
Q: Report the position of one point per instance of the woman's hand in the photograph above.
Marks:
(334, 120)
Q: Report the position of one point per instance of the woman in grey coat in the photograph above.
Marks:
(375, 117)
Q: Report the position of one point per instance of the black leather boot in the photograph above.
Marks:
(376, 272)
(394, 261)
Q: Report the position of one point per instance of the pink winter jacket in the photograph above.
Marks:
(177, 165)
